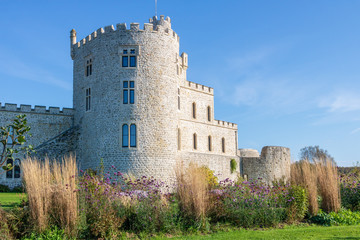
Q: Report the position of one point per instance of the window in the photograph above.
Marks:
(17, 168)
(10, 172)
(128, 92)
(88, 70)
(125, 135)
(88, 99)
(11, 136)
(179, 98)
(179, 139)
(195, 141)
(129, 58)
(209, 113)
(132, 135)
(223, 145)
(209, 144)
(194, 110)
(129, 136)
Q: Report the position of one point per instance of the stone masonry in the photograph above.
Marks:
(135, 109)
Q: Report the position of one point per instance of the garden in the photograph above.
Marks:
(62, 203)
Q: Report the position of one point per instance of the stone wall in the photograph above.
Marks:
(45, 124)
(272, 164)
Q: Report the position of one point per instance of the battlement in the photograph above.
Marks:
(225, 124)
(10, 107)
(199, 87)
(154, 26)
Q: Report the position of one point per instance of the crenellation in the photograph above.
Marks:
(148, 27)
(39, 109)
(94, 34)
(10, 107)
(88, 38)
(134, 26)
(54, 110)
(25, 108)
(199, 87)
(121, 26)
(68, 111)
(109, 29)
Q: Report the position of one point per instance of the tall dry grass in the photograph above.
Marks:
(51, 190)
(319, 178)
(192, 191)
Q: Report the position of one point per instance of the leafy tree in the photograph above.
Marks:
(13, 139)
(315, 153)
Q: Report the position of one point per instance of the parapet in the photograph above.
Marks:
(199, 87)
(10, 107)
(248, 153)
(225, 124)
(162, 25)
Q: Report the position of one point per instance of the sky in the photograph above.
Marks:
(287, 72)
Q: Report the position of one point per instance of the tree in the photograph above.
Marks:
(13, 139)
(314, 154)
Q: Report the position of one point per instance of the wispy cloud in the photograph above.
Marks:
(345, 101)
(14, 67)
(355, 131)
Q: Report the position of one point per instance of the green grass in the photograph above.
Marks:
(9, 200)
(292, 233)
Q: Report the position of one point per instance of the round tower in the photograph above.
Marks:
(125, 98)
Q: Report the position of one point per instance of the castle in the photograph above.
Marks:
(134, 108)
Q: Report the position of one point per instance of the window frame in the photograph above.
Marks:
(129, 56)
(9, 174)
(128, 137)
(129, 95)
(210, 143)
(223, 145)
(194, 110)
(88, 66)
(195, 145)
(87, 99)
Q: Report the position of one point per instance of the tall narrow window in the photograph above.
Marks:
(132, 135)
(179, 139)
(179, 98)
(125, 61)
(125, 135)
(194, 110)
(128, 92)
(17, 169)
(9, 174)
(88, 70)
(209, 113)
(209, 144)
(223, 145)
(88, 99)
(11, 136)
(195, 141)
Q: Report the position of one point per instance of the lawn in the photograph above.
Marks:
(9, 200)
(307, 232)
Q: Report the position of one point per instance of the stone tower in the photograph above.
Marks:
(126, 86)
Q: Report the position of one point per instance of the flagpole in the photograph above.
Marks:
(156, 8)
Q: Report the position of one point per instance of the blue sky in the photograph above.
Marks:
(287, 72)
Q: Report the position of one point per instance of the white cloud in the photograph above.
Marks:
(345, 101)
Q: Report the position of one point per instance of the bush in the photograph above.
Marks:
(19, 189)
(350, 191)
(343, 217)
(298, 207)
(4, 188)
(233, 165)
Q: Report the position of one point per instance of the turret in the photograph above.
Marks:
(72, 42)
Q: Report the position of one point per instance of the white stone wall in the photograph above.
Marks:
(45, 124)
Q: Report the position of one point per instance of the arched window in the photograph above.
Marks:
(195, 141)
(125, 135)
(209, 113)
(209, 143)
(17, 172)
(179, 139)
(9, 174)
(194, 110)
(223, 145)
(132, 135)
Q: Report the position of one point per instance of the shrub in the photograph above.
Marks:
(4, 188)
(350, 191)
(343, 217)
(233, 165)
(299, 205)
(18, 189)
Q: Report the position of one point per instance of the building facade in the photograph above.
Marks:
(134, 108)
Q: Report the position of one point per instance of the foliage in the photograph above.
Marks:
(343, 217)
(233, 165)
(350, 191)
(13, 138)
(50, 234)
(4, 189)
(299, 206)
(314, 154)
(210, 177)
